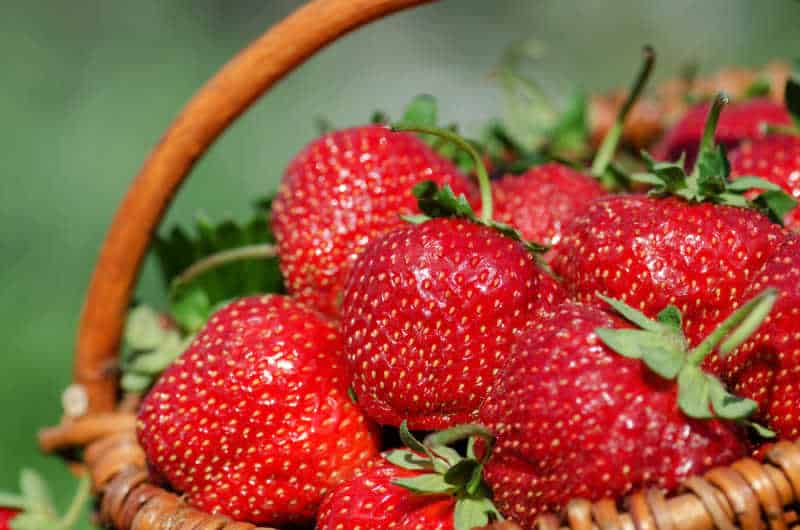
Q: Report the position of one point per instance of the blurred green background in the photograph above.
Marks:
(88, 86)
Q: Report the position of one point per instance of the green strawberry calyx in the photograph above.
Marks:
(663, 348)
(35, 504)
(709, 180)
(446, 472)
(791, 98)
(435, 201)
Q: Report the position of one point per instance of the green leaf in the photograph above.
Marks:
(671, 316)
(423, 110)
(775, 204)
(762, 431)
(447, 454)
(727, 405)
(659, 352)
(427, 484)
(764, 303)
(441, 202)
(571, 130)
(136, 383)
(747, 183)
(461, 473)
(416, 219)
(759, 88)
(633, 315)
(409, 460)
(33, 521)
(792, 98)
(191, 307)
(474, 512)
(693, 393)
(12, 500)
(647, 178)
(143, 329)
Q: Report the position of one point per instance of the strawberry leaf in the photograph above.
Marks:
(631, 314)
(791, 96)
(693, 393)
(671, 316)
(461, 472)
(775, 204)
(662, 354)
(427, 484)
(474, 512)
(727, 405)
(409, 460)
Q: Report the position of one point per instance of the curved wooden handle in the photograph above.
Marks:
(227, 95)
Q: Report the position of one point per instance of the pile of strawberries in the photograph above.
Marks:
(452, 351)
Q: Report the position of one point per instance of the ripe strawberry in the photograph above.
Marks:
(542, 200)
(430, 310)
(340, 192)
(697, 251)
(577, 414)
(431, 488)
(6, 515)
(253, 420)
(766, 368)
(742, 121)
(775, 158)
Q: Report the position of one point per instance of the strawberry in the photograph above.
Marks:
(766, 368)
(775, 157)
(588, 407)
(253, 420)
(6, 515)
(742, 121)
(697, 250)
(431, 487)
(431, 310)
(340, 192)
(542, 200)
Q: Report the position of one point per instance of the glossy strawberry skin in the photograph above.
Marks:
(429, 315)
(6, 515)
(340, 192)
(766, 368)
(253, 421)
(651, 252)
(371, 501)
(541, 201)
(738, 122)
(775, 158)
(574, 419)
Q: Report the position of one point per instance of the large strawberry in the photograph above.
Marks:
(431, 310)
(253, 420)
(432, 488)
(339, 193)
(576, 412)
(767, 367)
(697, 250)
(775, 157)
(741, 121)
(543, 199)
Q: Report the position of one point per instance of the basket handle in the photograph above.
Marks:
(218, 103)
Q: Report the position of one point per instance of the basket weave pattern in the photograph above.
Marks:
(748, 495)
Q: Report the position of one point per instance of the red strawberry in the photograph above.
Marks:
(575, 419)
(775, 158)
(741, 121)
(253, 420)
(766, 368)
(6, 515)
(340, 192)
(432, 488)
(542, 200)
(686, 250)
(431, 310)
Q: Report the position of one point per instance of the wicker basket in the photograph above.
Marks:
(748, 494)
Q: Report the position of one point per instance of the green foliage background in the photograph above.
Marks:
(87, 86)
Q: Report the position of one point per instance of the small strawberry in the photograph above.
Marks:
(766, 368)
(253, 420)
(431, 310)
(542, 200)
(430, 488)
(589, 407)
(340, 192)
(775, 157)
(33, 508)
(742, 121)
(697, 250)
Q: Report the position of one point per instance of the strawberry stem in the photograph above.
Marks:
(707, 142)
(480, 169)
(609, 146)
(262, 251)
(745, 320)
